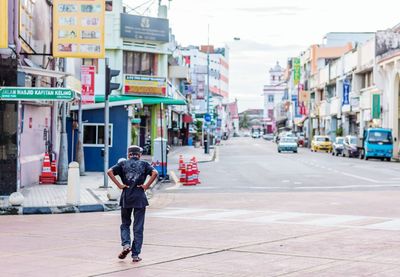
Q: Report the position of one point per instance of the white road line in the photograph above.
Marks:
(393, 225)
(285, 181)
(222, 215)
(274, 217)
(298, 183)
(333, 220)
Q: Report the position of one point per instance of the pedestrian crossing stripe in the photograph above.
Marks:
(269, 217)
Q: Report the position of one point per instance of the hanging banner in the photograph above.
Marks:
(296, 70)
(87, 79)
(78, 29)
(3, 24)
(376, 106)
(346, 93)
(145, 85)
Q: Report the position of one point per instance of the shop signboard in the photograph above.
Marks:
(3, 24)
(36, 94)
(144, 28)
(78, 29)
(145, 85)
(387, 43)
(376, 106)
(296, 70)
(346, 93)
(87, 79)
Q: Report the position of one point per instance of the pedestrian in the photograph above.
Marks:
(133, 173)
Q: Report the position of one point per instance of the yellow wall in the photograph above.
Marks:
(3, 24)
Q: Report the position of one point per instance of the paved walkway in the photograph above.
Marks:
(52, 198)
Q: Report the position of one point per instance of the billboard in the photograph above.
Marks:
(78, 29)
(145, 85)
(87, 79)
(3, 24)
(387, 43)
(144, 28)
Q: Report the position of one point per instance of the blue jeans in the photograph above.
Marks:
(138, 227)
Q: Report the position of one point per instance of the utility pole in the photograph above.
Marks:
(207, 144)
(63, 155)
(80, 157)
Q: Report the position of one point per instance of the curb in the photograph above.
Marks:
(67, 209)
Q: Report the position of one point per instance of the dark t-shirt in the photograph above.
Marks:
(133, 173)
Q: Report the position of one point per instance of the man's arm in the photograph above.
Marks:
(110, 173)
(153, 176)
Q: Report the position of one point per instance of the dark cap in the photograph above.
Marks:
(134, 149)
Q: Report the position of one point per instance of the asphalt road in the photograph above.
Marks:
(254, 165)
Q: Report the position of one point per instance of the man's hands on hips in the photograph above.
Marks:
(144, 187)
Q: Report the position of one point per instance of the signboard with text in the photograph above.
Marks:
(144, 28)
(296, 70)
(78, 29)
(145, 85)
(87, 79)
(376, 106)
(346, 93)
(38, 94)
(3, 24)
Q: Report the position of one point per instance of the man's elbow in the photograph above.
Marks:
(154, 173)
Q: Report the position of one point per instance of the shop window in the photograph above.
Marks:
(93, 134)
(139, 63)
(270, 98)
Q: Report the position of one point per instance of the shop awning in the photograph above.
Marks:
(146, 100)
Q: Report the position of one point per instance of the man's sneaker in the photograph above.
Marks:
(136, 259)
(124, 253)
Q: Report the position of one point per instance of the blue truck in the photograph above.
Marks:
(376, 143)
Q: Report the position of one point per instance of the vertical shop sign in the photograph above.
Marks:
(296, 70)
(346, 93)
(376, 106)
(3, 24)
(87, 79)
(78, 29)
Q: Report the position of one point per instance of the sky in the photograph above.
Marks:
(270, 31)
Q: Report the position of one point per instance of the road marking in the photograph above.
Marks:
(285, 181)
(176, 181)
(268, 217)
(298, 183)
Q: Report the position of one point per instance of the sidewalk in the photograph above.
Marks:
(51, 199)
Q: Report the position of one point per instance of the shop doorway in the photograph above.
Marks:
(8, 147)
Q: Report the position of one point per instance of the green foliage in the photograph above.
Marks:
(339, 132)
(244, 122)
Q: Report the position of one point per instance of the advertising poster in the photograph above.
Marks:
(3, 24)
(145, 85)
(144, 28)
(296, 70)
(78, 29)
(87, 79)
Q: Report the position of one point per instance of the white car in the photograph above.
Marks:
(287, 144)
(255, 135)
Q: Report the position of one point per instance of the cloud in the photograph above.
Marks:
(277, 10)
(254, 46)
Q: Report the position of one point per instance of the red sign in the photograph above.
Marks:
(87, 80)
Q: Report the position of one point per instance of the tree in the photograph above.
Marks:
(244, 122)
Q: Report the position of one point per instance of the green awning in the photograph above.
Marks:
(146, 100)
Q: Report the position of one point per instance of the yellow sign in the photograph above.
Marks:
(145, 85)
(78, 29)
(3, 24)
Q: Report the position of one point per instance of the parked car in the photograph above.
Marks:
(268, 136)
(350, 148)
(321, 143)
(376, 143)
(255, 135)
(287, 144)
(337, 146)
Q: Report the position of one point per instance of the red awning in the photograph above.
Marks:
(187, 118)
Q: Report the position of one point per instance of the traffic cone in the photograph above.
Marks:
(189, 176)
(181, 162)
(54, 169)
(196, 172)
(47, 176)
(182, 177)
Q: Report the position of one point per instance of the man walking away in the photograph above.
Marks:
(133, 173)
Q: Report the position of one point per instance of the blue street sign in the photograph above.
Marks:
(346, 92)
(207, 117)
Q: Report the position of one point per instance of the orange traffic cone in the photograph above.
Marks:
(196, 172)
(54, 169)
(182, 177)
(181, 162)
(47, 176)
(189, 176)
